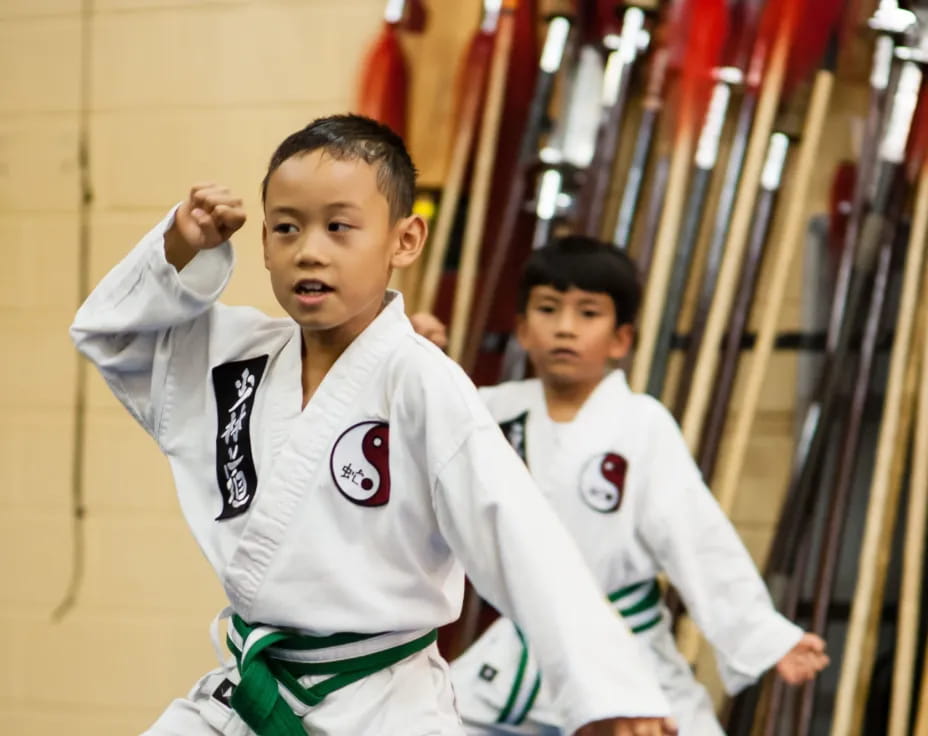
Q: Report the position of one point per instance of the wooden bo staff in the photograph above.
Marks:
(708, 24)
(921, 717)
(480, 186)
(815, 119)
(560, 14)
(887, 23)
(652, 105)
(881, 511)
(907, 624)
(703, 167)
(751, 268)
(909, 597)
(620, 61)
(836, 495)
(472, 84)
(744, 17)
(749, 64)
(770, 93)
(788, 244)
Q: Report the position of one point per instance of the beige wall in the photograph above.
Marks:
(177, 92)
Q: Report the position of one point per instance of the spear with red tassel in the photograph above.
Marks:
(625, 50)
(749, 60)
(384, 76)
(744, 17)
(707, 24)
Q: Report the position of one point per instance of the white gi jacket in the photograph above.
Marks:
(622, 480)
(350, 515)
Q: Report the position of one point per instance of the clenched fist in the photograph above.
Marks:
(208, 217)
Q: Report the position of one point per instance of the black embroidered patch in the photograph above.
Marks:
(223, 693)
(514, 430)
(235, 385)
(488, 673)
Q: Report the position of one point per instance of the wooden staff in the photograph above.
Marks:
(769, 98)
(652, 105)
(751, 69)
(881, 511)
(480, 187)
(909, 597)
(473, 80)
(921, 717)
(703, 168)
(815, 119)
(708, 25)
(789, 243)
(592, 199)
(836, 496)
(757, 242)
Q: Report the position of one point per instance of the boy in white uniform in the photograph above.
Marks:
(334, 466)
(616, 468)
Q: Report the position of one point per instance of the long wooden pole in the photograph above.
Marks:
(472, 89)
(860, 646)
(909, 599)
(480, 188)
(737, 238)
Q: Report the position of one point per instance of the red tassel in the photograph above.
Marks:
(705, 25)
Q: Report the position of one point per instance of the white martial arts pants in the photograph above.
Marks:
(411, 698)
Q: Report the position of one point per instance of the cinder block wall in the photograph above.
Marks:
(173, 92)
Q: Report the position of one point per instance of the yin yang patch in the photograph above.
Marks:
(602, 482)
(360, 463)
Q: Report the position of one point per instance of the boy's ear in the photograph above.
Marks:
(522, 330)
(622, 341)
(412, 232)
(264, 243)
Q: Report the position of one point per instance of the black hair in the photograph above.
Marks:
(349, 137)
(580, 262)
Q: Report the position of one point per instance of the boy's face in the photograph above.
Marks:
(570, 336)
(329, 243)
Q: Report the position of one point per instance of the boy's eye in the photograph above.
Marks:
(590, 313)
(546, 308)
(285, 228)
(339, 227)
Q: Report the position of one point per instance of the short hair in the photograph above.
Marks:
(580, 262)
(351, 137)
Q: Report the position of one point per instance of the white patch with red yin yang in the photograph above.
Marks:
(602, 482)
(360, 463)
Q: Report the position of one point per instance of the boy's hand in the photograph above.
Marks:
(804, 660)
(208, 217)
(431, 328)
(630, 727)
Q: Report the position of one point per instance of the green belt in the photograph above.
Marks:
(639, 605)
(257, 699)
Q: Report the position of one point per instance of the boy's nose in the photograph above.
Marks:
(565, 324)
(311, 252)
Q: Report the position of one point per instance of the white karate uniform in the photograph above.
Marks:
(355, 513)
(621, 479)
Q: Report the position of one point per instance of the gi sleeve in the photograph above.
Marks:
(125, 325)
(522, 560)
(686, 530)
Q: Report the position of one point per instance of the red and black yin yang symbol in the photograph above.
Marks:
(602, 482)
(360, 463)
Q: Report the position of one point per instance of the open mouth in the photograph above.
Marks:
(312, 287)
